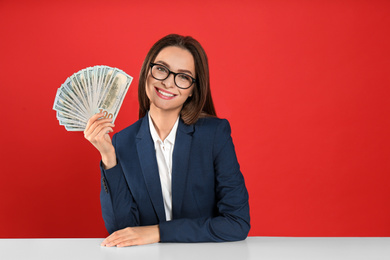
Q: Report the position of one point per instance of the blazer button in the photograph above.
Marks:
(104, 185)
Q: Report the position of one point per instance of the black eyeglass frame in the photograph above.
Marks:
(169, 73)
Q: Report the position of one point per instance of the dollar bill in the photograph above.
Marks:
(89, 91)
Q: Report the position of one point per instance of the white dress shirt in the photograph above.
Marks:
(164, 151)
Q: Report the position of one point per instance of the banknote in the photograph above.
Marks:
(98, 89)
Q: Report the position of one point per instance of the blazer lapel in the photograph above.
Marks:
(147, 158)
(180, 158)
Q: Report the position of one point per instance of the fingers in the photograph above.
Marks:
(113, 239)
(128, 243)
(99, 136)
(101, 129)
(122, 242)
(123, 237)
(93, 122)
(96, 126)
(132, 236)
(96, 132)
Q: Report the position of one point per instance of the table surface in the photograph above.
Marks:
(263, 248)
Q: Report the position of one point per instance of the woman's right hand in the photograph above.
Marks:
(96, 132)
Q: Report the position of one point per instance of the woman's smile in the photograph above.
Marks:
(164, 94)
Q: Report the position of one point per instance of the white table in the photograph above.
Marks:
(261, 248)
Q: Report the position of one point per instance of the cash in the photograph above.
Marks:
(98, 89)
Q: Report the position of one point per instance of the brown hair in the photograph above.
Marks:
(200, 104)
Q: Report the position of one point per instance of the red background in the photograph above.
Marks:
(305, 85)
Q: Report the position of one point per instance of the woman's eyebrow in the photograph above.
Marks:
(167, 65)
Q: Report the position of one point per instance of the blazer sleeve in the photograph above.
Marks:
(118, 207)
(232, 222)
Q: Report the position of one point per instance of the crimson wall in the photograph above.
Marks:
(304, 84)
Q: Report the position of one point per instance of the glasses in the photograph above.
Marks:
(182, 80)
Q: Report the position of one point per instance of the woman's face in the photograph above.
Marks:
(165, 95)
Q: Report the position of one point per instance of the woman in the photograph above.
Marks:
(173, 175)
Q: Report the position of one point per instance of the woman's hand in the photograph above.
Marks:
(96, 132)
(132, 236)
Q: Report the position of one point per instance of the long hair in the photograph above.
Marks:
(200, 104)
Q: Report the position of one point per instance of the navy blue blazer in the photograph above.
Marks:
(209, 197)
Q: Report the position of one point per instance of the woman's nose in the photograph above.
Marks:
(170, 81)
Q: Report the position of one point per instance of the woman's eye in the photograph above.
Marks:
(185, 77)
(161, 69)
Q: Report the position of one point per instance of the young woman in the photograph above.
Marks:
(173, 175)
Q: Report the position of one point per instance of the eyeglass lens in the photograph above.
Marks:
(161, 72)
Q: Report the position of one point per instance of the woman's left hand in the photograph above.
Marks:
(132, 236)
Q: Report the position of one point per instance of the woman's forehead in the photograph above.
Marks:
(176, 59)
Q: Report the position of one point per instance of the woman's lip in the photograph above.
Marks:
(163, 96)
(163, 90)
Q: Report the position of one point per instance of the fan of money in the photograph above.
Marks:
(98, 89)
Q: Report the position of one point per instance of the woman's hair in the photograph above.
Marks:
(200, 104)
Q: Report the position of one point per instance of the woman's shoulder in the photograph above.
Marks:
(212, 132)
(211, 121)
(212, 125)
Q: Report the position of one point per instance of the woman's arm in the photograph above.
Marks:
(233, 220)
(112, 177)
(119, 209)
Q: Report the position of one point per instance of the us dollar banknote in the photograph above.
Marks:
(98, 89)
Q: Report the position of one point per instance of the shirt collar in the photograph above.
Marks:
(170, 138)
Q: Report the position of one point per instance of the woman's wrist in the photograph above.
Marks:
(109, 160)
(157, 233)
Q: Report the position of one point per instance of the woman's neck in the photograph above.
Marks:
(163, 121)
